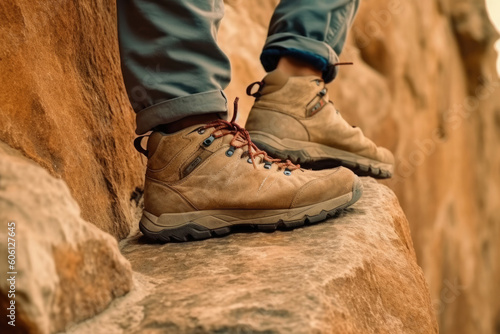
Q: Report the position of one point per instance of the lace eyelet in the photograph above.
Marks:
(249, 160)
(207, 142)
(267, 165)
(201, 131)
(230, 152)
(287, 172)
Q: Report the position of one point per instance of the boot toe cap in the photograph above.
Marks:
(327, 185)
(384, 155)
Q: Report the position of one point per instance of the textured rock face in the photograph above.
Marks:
(67, 269)
(63, 105)
(353, 274)
(424, 85)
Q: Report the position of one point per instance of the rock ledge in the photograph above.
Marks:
(353, 274)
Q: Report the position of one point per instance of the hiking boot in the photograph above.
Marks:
(208, 179)
(292, 118)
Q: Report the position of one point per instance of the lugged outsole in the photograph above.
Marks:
(192, 231)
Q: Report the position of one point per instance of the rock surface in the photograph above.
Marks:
(63, 103)
(67, 270)
(353, 274)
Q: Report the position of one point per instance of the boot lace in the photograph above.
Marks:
(242, 138)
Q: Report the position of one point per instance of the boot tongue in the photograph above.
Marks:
(273, 82)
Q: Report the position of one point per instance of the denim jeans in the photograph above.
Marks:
(173, 67)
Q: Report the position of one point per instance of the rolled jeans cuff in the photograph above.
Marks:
(174, 109)
(318, 54)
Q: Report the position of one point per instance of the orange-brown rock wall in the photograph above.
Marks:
(64, 106)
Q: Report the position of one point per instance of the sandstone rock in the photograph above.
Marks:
(67, 269)
(63, 103)
(353, 274)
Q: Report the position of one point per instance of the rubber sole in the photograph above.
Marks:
(316, 156)
(201, 225)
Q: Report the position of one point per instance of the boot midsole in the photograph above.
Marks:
(213, 219)
(311, 152)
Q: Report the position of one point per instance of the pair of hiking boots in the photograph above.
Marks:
(209, 179)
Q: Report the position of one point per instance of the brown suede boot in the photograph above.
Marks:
(206, 179)
(292, 118)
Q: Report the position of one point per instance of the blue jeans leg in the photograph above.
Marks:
(311, 30)
(171, 64)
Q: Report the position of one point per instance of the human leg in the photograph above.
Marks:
(171, 63)
(292, 117)
(207, 178)
(313, 31)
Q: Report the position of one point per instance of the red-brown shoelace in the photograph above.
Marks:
(242, 138)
